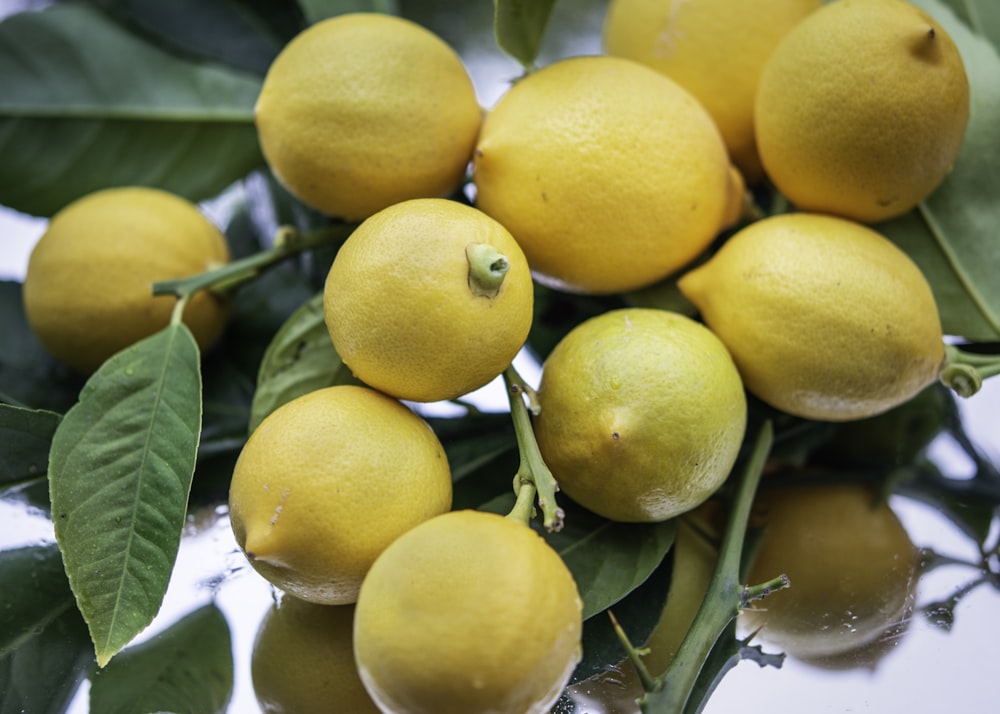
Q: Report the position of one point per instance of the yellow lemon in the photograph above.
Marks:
(609, 174)
(428, 300)
(862, 109)
(326, 482)
(715, 49)
(303, 660)
(364, 110)
(851, 566)
(88, 286)
(468, 613)
(825, 318)
(642, 413)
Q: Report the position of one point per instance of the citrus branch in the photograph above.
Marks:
(532, 470)
(964, 371)
(230, 276)
(725, 598)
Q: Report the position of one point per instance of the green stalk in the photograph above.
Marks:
(725, 598)
(531, 469)
(230, 276)
(964, 372)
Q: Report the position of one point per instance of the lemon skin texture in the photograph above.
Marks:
(825, 318)
(408, 306)
(642, 413)
(326, 482)
(364, 110)
(851, 566)
(609, 175)
(716, 49)
(862, 109)
(468, 613)
(303, 660)
(88, 286)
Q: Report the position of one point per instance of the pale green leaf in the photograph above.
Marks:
(186, 669)
(300, 359)
(119, 474)
(519, 26)
(952, 235)
(983, 16)
(319, 10)
(84, 105)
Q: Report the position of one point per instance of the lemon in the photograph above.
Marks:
(715, 49)
(428, 300)
(861, 109)
(326, 482)
(825, 318)
(609, 174)
(88, 286)
(303, 660)
(364, 110)
(851, 566)
(642, 413)
(467, 613)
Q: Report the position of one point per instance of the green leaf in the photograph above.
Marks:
(300, 359)
(25, 438)
(119, 474)
(519, 26)
(952, 235)
(43, 673)
(983, 16)
(319, 10)
(29, 376)
(41, 594)
(186, 669)
(85, 105)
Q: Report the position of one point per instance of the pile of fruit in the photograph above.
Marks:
(684, 231)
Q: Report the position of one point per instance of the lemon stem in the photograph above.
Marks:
(487, 269)
(964, 372)
(532, 469)
(635, 655)
(288, 242)
(176, 317)
(524, 506)
(725, 598)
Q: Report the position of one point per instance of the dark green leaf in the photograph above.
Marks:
(186, 669)
(232, 32)
(952, 235)
(317, 10)
(482, 454)
(520, 25)
(300, 359)
(120, 472)
(36, 593)
(42, 675)
(77, 113)
(29, 377)
(25, 438)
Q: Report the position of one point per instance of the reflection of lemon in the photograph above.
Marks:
(363, 110)
(851, 566)
(88, 287)
(715, 49)
(608, 174)
(861, 109)
(468, 612)
(825, 318)
(303, 660)
(429, 299)
(642, 414)
(326, 482)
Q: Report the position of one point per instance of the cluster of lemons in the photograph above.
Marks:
(599, 175)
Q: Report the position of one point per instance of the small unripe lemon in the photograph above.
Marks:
(326, 482)
(88, 290)
(825, 318)
(861, 109)
(468, 613)
(642, 413)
